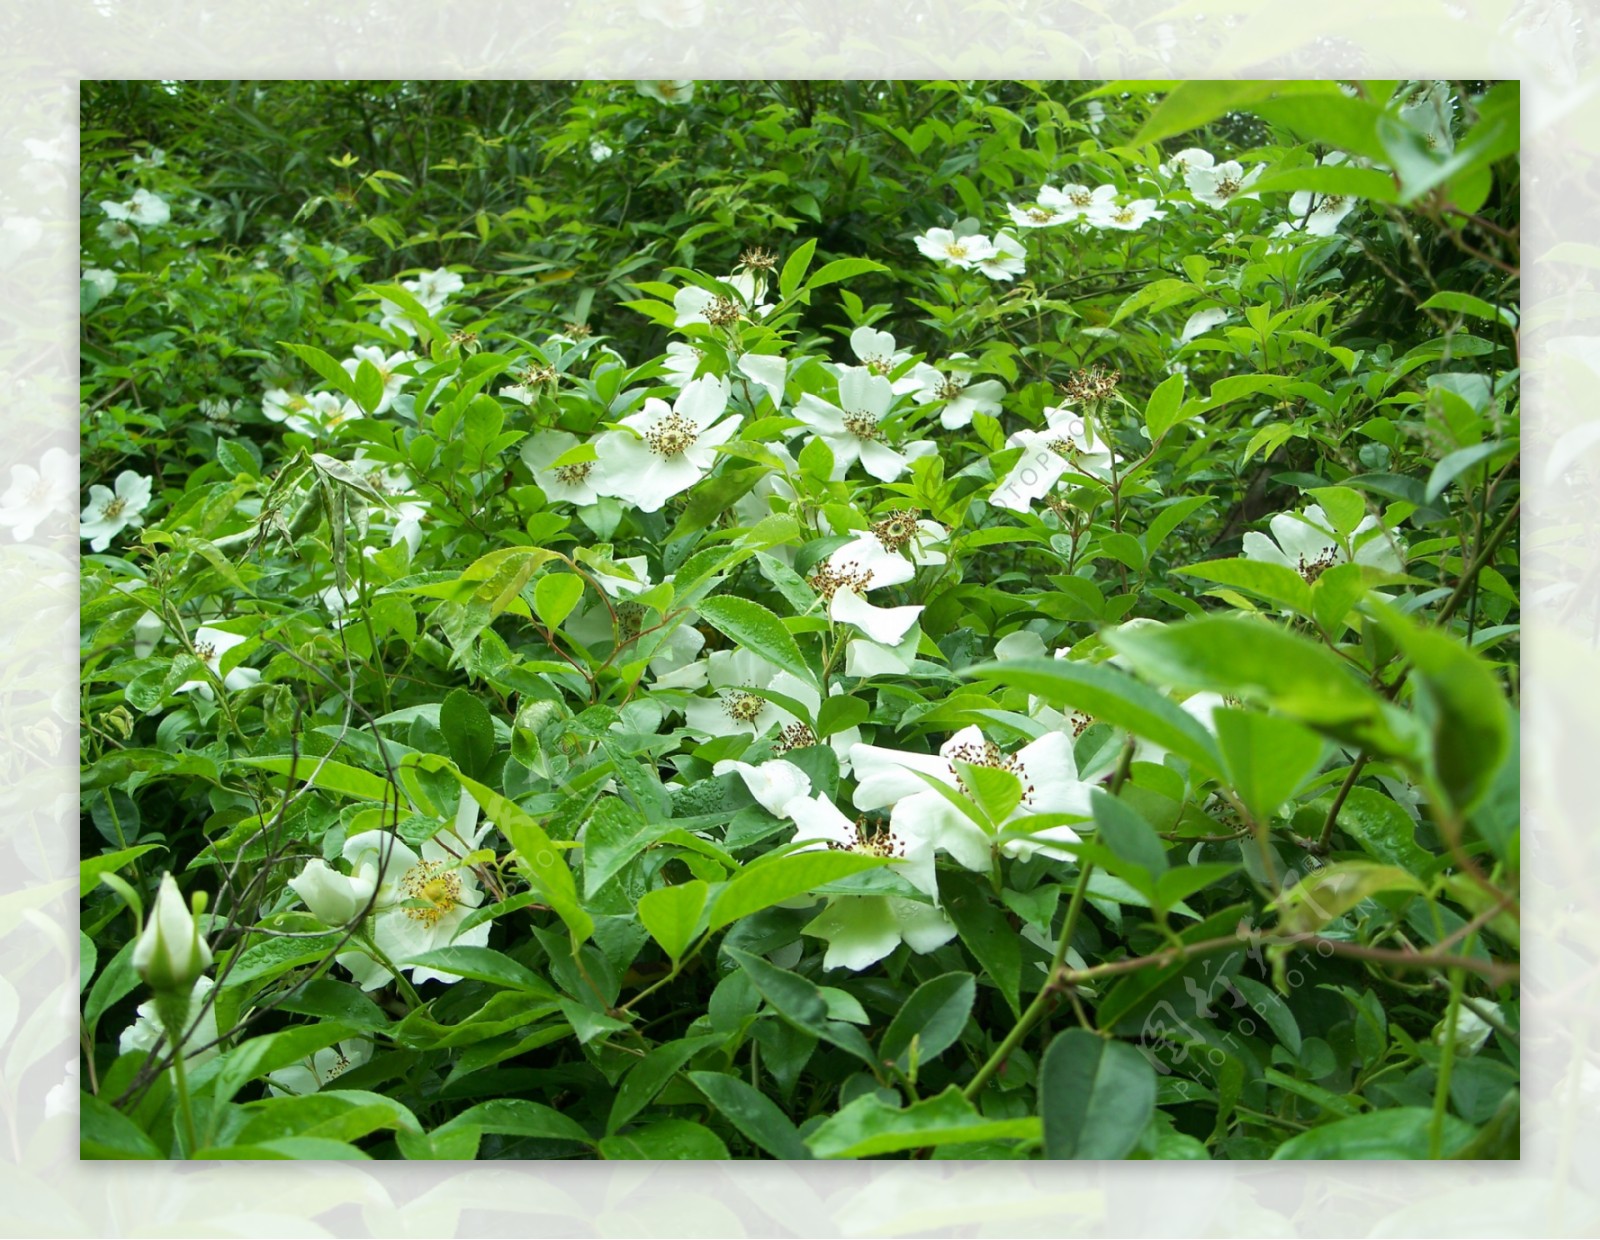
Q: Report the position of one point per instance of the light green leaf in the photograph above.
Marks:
(1095, 1096)
(766, 883)
(758, 630)
(554, 597)
(871, 1126)
(673, 915)
(1267, 758)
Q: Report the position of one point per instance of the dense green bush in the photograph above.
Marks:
(694, 619)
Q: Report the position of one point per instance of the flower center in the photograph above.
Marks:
(876, 841)
(722, 312)
(1331, 203)
(1313, 569)
(534, 376)
(795, 736)
(1039, 215)
(1079, 722)
(956, 249)
(743, 707)
(897, 529)
(950, 388)
(880, 365)
(1122, 215)
(672, 436)
(987, 753)
(828, 580)
(758, 259)
(114, 508)
(1227, 187)
(1091, 384)
(862, 425)
(436, 885)
(572, 475)
(340, 1066)
(1065, 449)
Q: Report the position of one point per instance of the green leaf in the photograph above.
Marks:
(615, 835)
(554, 597)
(646, 1080)
(1265, 1003)
(1367, 183)
(993, 791)
(1190, 105)
(1396, 1132)
(329, 776)
(673, 915)
(933, 1017)
(1164, 409)
(324, 366)
(794, 268)
(986, 933)
(538, 858)
(1384, 831)
(468, 730)
(842, 269)
(1258, 661)
(870, 1126)
(1466, 303)
(665, 1139)
(801, 1003)
(1127, 835)
(484, 964)
(1334, 890)
(1277, 583)
(105, 1132)
(256, 1057)
(841, 712)
(766, 883)
(1455, 464)
(752, 1113)
(1095, 1096)
(758, 630)
(91, 868)
(1334, 119)
(1111, 697)
(1267, 758)
(1459, 701)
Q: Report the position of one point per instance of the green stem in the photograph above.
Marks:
(377, 953)
(1447, 1057)
(173, 1008)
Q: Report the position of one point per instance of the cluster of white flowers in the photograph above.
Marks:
(432, 289)
(1000, 257)
(143, 210)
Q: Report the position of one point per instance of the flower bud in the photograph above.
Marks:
(170, 955)
(332, 897)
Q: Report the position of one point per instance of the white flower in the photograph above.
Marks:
(117, 233)
(201, 1027)
(144, 208)
(1075, 201)
(334, 899)
(773, 783)
(433, 288)
(408, 524)
(170, 953)
(104, 282)
(36, 495)
(871, 560)
(1222, 183)
(876, 351)
(1180, 164)
(573, 482)
(738, 676)
(319, 1068)
(854, 432)
(962, 398)
(422, 898)
(861, 930)
(700, 305)
(664, 449)
(311, 414)
(769, 371)
(1038, 215)
(820, 824)
(668, 91)
(386, 366)
(209, 647)
(964, 251)
(108, 513)
(754, 505)
(1045, 769)
(1202, 321)
(1306, 542)
(1067, 444)
(599, 151)
(682, 362)
(1006, 261)
(675, 662)
(1127, 216)
(1427, 107)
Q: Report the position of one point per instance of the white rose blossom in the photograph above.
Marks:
(1305, 542)
(110, 512)
(36, 495)
(209, 646)
(664, 449)
(853, 428)
(945, 246)
(1066, 445)
(1223, 183)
